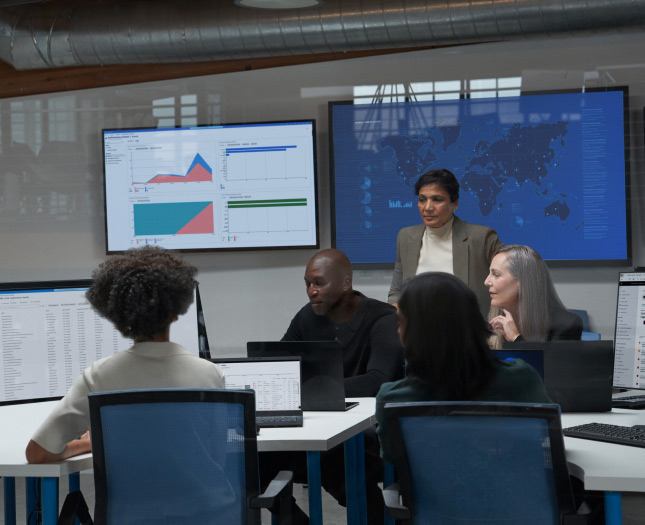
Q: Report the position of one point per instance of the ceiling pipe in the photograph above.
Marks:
(165, 31)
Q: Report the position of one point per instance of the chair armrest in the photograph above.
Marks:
(392, 499)
(74, 507)
(583, 516)
(278, 494)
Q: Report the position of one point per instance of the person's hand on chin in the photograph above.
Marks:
(505, 325)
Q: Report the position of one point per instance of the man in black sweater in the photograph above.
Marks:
(372, 355)
(367, 328)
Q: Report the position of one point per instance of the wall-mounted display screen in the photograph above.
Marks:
(237, 186)
(549, 170)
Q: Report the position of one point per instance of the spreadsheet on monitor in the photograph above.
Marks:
(49, 333)
(630, 331)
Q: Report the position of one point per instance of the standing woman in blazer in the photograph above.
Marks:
(443, 243)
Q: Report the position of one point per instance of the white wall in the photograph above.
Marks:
(51, 210)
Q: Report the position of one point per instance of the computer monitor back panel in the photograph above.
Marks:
(630, 331)
(49, 334)
(577, 374)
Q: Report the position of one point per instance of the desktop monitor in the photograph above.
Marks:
(205, 188)
(49, 334)
(630, 331)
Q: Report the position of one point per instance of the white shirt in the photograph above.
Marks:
(144, 365)
(436, 250)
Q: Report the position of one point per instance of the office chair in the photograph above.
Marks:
(587, 334)
(177, 456)
(484, 463)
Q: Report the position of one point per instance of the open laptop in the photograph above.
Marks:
(577, 374)
(630, 336)
(323, 383)
(277, 385)
(532, 353)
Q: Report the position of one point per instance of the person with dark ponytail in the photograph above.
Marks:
(142, 292)
(445, 338)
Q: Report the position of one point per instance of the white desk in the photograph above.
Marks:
(19, 422)
(604, 466)
(321, 431)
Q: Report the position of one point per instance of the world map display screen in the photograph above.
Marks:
(546, 170)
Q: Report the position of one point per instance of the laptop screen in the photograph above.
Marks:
(276, 381)
(323, 386)
(532, 353)
(630, 331)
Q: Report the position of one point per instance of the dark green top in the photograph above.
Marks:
(514, 381)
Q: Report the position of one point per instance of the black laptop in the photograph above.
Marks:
(578, 375)
(277, 385)
(323, 384)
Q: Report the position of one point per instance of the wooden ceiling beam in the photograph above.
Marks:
(15, 83)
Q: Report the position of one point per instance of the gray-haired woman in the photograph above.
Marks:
(524, 303)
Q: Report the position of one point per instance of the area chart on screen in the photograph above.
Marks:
(173, 218)
(198, 171)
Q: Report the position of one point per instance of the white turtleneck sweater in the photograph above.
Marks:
(436, 250)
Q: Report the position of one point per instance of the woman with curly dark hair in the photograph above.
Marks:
(142, 292)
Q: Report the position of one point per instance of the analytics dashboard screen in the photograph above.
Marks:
(211, 187)
(630, 331)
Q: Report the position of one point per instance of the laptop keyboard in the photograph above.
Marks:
(279, 421)
(636, 402)
(633, 436)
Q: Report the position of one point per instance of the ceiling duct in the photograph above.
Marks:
(35, 36)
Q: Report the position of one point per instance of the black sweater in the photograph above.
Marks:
(372, 351)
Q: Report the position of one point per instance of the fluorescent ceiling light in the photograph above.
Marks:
(278, 4)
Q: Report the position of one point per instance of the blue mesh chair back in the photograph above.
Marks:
(174, 456)
(484, 463)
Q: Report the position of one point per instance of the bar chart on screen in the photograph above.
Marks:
(284, 215)
(262, 162)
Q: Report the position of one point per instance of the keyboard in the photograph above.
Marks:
(278, 421)
(633, 436)
(636, 402)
